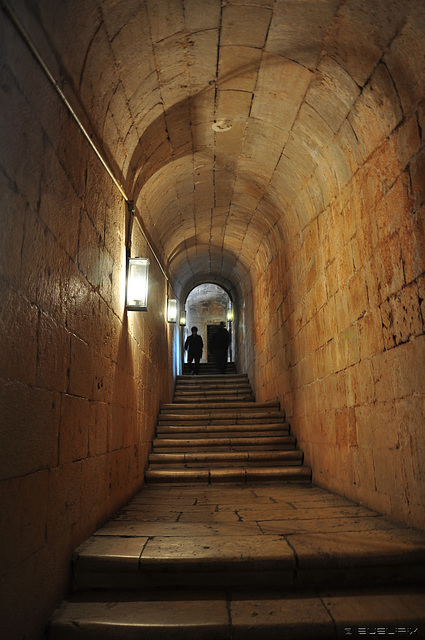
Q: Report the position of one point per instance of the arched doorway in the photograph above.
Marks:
(206, 306)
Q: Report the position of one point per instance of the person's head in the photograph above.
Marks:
(222, 325)
(194, 330)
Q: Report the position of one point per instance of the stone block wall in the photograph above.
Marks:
(81, 380)
(338, 325)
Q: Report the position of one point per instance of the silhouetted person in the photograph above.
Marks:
(220, 345)
(194, 344)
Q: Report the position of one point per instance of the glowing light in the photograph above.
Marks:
(137, 284)
(172, 310)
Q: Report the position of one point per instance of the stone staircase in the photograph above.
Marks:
(218, 547)
(214, 431)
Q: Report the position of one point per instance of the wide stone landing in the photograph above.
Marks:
(279, 561)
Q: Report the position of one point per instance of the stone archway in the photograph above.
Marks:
(206, 306)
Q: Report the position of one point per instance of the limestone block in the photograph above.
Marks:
(417, 173)
(410, 414)
(358, 299)
(100, 78)
(129, 23)
(19, 328)
(201, 56)
(35, 583)
(146, 108)
(377, 111)
(98, 428)
(332, 93)
(44, 268)
(360, 384)
(74, 429)
(89, 250)
(95, 496)
(238, 67)
(297, 30)
(401, 316)
(410, 378)
(30, 427)
(20, 139)
(345, 428)
(70, 143)
(421, 289)
(372, 422)
(53, 353)
(364, 477)
(390, 474)
(109, 553)
(348, 143)
(407, 140)
(64, 498)
(81, 373)
(335, 386)
(116, 427)
(251, 617)
(389, 267)
(201, 16)
(280, 88)
(412, 241)
(23, 529)
(392, 213)
(246, 25)
(370, 334)
(404, 59)
(383, 367)
(166, 18)
(62, 220)
(359, 34)
(117, 123)
(12, 220)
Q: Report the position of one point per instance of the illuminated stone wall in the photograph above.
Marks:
(80, 379)
(339, 319)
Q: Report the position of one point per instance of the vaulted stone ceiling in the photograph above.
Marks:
(233, 122)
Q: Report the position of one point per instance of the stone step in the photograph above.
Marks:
(213, 375)
(230, 475)
(261, 408)
(224, 458)
(207, 383)
(214, 397)
(226, 419)
(223, 381)
(219, 615)
(213, 390)
(228, 429)
(211, 561)
(216, 394)
(233, 443)
(209, 370)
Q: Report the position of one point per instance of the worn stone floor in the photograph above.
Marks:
(285, 560)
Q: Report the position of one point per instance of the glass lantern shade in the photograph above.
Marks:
(230, 315)
(137, 284)
(183, 319)
(172, 310)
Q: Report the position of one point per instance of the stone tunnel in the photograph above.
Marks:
(274, 149)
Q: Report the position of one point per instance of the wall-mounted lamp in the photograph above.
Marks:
(172, 310)
(230, 314)
(137, 284)
(183, 318)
